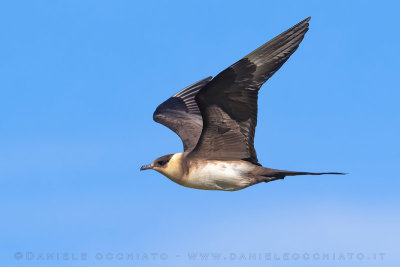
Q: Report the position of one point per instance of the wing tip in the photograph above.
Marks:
(304, 23)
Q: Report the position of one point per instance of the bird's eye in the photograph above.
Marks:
(162, 162)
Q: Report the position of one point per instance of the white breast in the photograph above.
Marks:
(218, 175)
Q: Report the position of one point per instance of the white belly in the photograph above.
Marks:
(217, 175)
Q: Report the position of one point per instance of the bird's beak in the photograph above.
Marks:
(146, 167)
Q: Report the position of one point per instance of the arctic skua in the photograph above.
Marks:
(216, 120)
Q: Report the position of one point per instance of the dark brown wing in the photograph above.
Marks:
(228, 104)
(181, 114)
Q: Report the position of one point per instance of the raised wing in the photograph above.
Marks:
(228, 104)
(181, 114)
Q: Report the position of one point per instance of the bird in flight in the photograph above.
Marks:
(216, 120)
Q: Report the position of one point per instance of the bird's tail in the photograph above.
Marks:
(274, 174)
(293, 173)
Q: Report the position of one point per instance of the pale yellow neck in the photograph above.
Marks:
(174, 170)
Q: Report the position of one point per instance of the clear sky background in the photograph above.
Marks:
(79, 81)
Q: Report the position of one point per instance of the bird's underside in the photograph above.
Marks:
(216, 120)
(226, 175)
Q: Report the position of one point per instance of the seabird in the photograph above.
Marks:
(216, 120)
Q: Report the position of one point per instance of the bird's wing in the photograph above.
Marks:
(228, 103)
(181, 114)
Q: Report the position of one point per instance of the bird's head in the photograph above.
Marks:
(158, 164)
(168, 165)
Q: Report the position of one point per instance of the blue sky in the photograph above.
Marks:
(79, 82)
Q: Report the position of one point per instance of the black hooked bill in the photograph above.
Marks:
(146, 167)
